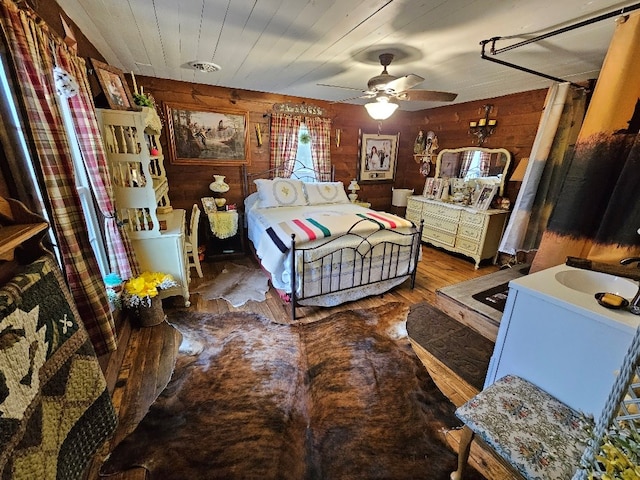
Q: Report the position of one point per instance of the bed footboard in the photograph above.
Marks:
(372, 259)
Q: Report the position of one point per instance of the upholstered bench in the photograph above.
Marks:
(538, 435)
(541, 437)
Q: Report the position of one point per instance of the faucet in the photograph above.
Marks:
(634, 306)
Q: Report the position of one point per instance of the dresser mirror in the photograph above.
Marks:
(482, 166)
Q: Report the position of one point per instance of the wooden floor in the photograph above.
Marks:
(144, 371)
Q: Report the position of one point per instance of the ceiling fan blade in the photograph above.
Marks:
(403, 83)
(428, 96)
(339, 86)
(366, 95)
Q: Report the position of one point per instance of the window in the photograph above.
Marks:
(303, 168)
(92, 219)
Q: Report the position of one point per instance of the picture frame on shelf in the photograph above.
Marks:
(200, 135)
(114, 86)
(428, 187)
(487, 192)
(378, 157)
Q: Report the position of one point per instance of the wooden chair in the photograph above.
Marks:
(192, 240)
(539, 436)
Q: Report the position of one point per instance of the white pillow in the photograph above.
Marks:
(320, 193)
(280, 192)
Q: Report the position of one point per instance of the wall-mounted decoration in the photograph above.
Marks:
(113, 85)
(378, 155)
(484, 127)
(338, 132)
(207, 136)
(298, 109)
(258, 135)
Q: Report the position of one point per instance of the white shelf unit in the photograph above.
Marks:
(141, 193)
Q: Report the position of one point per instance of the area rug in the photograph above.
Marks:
(494, 297)
(341, 398)
(460, 348)
(463, 292)
(236, 284)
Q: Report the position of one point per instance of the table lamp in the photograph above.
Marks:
(353, 187)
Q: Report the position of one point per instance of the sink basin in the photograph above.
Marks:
(589, 282)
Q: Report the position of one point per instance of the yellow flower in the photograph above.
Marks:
(140, 290)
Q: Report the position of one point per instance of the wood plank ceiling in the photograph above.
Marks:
(291, 46)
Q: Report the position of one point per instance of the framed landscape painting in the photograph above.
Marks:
(207, 136)
(378, 155)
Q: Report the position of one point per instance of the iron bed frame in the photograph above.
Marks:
(348, 267)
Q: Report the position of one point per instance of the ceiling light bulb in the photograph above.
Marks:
(381, 109)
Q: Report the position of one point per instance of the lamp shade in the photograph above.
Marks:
(521, 169)
(381, 108)
(353, 186)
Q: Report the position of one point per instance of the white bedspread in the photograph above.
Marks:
(278, 263)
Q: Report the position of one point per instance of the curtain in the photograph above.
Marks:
(283, 142)
(551, 152)
(29, 43)
(121, 258)
(597, 214)
(320, 133)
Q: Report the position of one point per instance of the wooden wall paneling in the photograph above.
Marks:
(517, 115)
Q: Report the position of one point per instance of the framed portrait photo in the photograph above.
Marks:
(207, 136)
(378, 157)
(487, 193)
(114, 86)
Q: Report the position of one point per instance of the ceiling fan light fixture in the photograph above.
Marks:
(381, 108)
(208, 67)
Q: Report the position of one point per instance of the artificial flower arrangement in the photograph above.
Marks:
(619, 456)
(139, 291)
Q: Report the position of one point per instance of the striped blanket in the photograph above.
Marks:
(316, 227)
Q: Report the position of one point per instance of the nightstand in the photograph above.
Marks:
(225, 235)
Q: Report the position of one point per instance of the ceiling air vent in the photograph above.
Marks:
(208, 67)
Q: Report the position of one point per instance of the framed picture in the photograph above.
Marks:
(207, 136)
(114, 86)
(428, 187)
(378, 156)
(486, 195)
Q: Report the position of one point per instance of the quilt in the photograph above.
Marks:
(55, 409)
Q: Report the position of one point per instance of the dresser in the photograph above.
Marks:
(141, 194)
(471, 232)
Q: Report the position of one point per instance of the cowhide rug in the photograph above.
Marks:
(342, 398)
(237, 284)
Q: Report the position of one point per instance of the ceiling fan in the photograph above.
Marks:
(387, 87)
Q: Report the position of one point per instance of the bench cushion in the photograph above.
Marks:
(536, 433)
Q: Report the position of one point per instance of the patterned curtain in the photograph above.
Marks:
(597, 214)
(121, 258)
(29, 42)
(320, 133)
(465, 163)
(550, 155)
(283, 142)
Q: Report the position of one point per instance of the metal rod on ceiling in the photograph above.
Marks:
(558, 31)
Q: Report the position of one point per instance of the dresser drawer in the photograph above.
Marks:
(442, 211)
(439, 223)
(473, 218)
(438, 237)
(467, 245)
(471, 232)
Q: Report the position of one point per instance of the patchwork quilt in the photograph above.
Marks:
(55, 410)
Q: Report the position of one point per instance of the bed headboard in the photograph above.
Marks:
(300, 172)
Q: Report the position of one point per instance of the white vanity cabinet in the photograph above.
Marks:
(561, 340)
(141, 193)
(471, 232)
